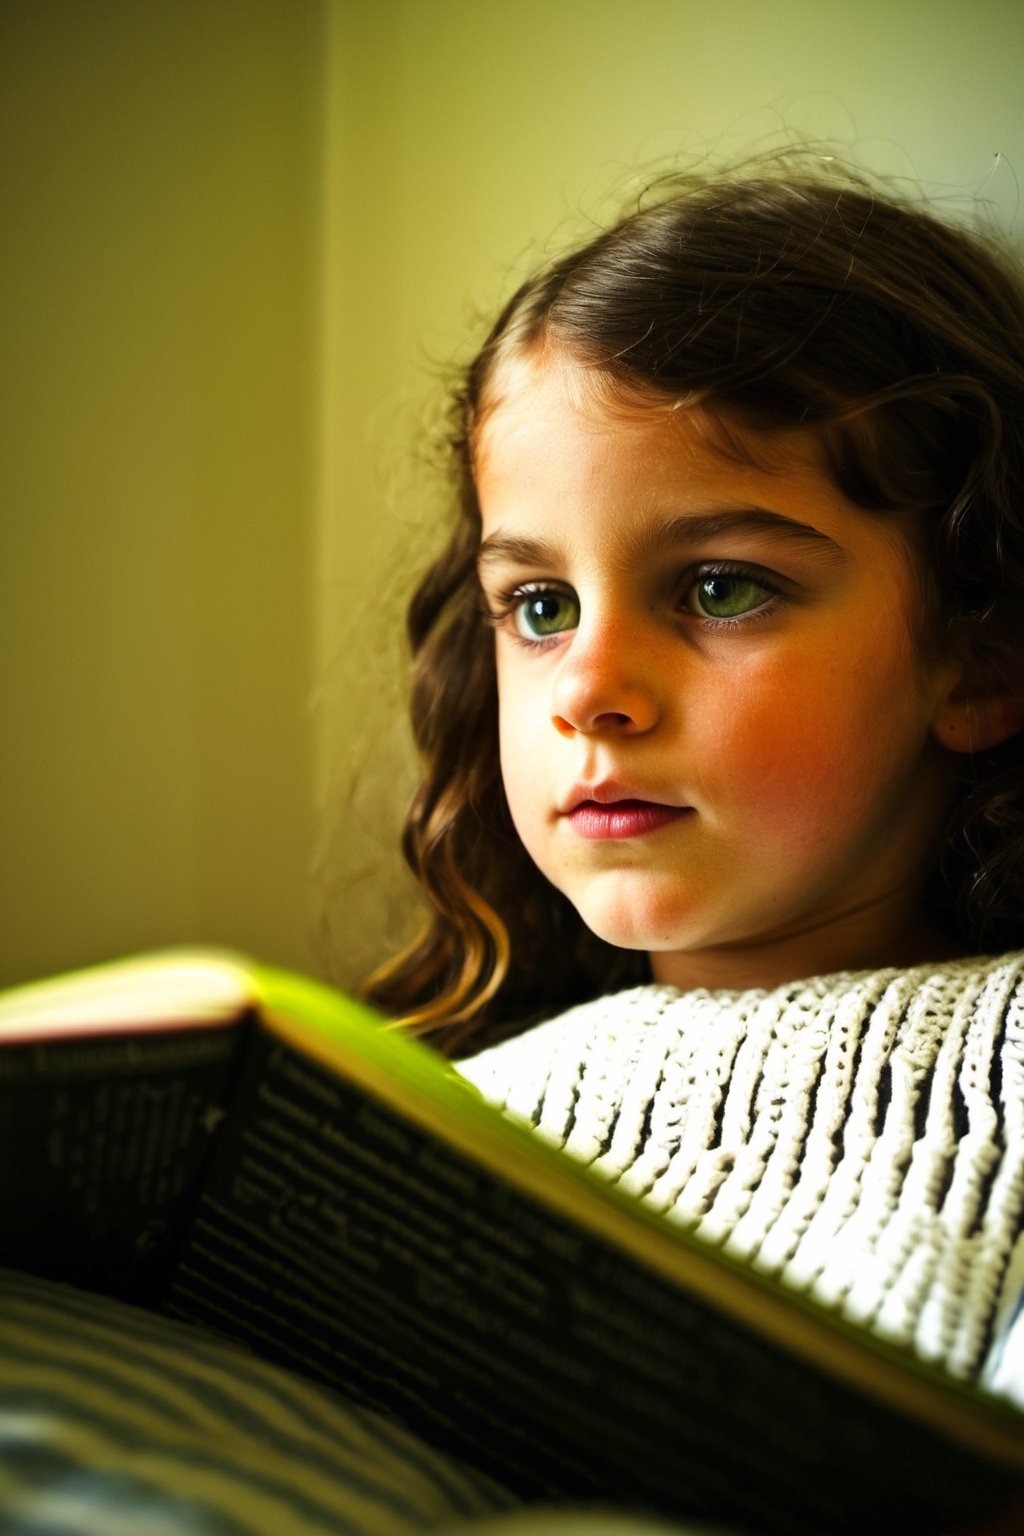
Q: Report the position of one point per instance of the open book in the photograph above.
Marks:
(253, 1152)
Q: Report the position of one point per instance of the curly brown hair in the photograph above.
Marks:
(780, 300)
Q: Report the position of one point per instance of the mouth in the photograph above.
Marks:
(601, 813)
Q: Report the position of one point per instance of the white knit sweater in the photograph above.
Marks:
(861, 1134)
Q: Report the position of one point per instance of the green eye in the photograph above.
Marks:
(546, 612)
(726, 596)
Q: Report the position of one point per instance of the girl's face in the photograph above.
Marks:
(717, 723)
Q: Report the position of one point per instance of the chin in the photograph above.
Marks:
(628, 927)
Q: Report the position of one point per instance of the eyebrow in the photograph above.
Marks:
(691, 527)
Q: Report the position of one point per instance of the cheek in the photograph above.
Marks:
(769, 764)
(521, 758)
(805, 753)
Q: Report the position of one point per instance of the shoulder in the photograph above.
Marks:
(860, 1134)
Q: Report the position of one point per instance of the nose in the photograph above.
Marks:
(605, 683)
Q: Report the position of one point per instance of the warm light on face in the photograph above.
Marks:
(716, 723)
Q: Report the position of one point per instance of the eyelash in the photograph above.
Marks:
(506, 604)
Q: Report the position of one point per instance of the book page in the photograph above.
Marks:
(337, 1238)
(102, 1141)
(173, 990)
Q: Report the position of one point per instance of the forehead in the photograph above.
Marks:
(557, 435)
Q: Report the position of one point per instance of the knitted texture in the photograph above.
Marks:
(860, 1135)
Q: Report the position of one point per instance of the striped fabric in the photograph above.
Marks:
(116, 1423)
(861, 1134)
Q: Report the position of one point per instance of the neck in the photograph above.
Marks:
(854, 942)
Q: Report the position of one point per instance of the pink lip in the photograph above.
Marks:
(621, 818)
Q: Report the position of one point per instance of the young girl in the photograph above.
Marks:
(720, 689)
(720, 676)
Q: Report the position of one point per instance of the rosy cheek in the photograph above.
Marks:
(789, 767)
(522, 761)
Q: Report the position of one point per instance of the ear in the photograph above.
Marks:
(973, 719)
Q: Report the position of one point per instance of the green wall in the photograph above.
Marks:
(467, 138)
(241, 242)
(159, 258)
